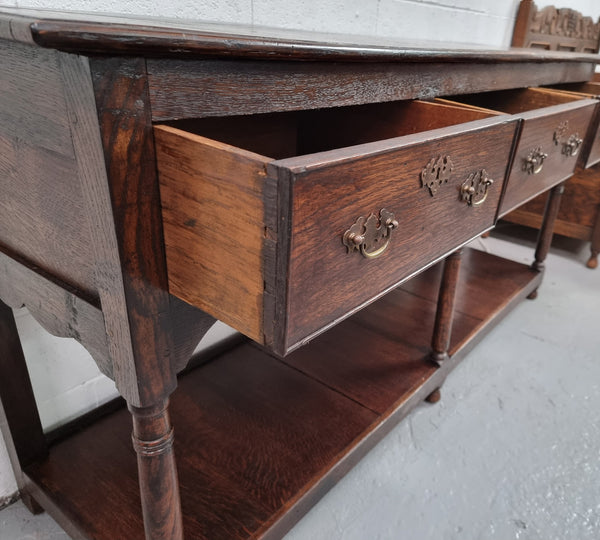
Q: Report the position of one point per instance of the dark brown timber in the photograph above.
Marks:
(153, 443)
(442, 330)
(22, 430)
(546, 230)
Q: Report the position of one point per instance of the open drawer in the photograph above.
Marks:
(591, 152)
(552, 135)
(349, 203)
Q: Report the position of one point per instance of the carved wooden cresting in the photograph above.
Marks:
(557, 29)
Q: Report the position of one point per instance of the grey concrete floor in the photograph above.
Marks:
(511, 451)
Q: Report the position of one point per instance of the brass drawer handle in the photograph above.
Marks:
(474, 190)
(572, 145)
(370, 235)
(534, 162)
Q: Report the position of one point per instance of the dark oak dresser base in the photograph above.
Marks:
(260, 440)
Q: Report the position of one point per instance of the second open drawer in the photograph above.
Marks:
(553, 134)
(351, 202)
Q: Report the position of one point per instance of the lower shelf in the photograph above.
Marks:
(260, 440)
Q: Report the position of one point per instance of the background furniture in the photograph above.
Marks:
(579, 214)
(163, 160)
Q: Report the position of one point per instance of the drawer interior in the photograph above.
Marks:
(290, 134)
(588, 88)
(516, 101)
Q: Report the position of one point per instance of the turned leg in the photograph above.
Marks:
(547, 228)
(19, 418)
(546, 231)
(434, 397)
(595, 248)
(442, 330)
(159, 486)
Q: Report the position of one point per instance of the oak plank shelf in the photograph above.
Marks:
(280, 432)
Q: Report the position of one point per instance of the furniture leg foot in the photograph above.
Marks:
(533, 295)
(159, 485)
(485, 234)
(31, 504)
(434, 397)
(593, 260)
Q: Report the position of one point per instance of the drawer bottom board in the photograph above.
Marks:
(260, 440)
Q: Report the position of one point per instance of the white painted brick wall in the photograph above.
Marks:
(66, 381)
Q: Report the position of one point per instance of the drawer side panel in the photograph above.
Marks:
(213, 213)
(42, 211)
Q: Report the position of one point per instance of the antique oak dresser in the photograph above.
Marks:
(156, 176)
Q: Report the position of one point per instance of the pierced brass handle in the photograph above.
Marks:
(474, 190)
(572, 145)
(370, 235)
(534, 161)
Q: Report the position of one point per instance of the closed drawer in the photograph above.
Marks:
(350, 202)
(552, 136)
(591, 152)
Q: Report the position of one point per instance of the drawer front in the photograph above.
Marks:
(591, 154)
(547, 152)
(424, 185)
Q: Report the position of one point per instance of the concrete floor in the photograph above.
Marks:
(511, 451)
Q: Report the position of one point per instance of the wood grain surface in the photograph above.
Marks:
(57, 308)
(42, 212)
(195, 88)
(578, 208)
(214, 226)
(543, 112)
(20, 423)
(365, 179)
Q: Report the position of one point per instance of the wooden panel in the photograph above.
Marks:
(135, 283)
(55, 307)
(579, 207)
(191, 89)
(42, 215)
(228, 486)
(214, 222)
(363, 180)
(539, 131)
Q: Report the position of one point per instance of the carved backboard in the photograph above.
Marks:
(555, 29)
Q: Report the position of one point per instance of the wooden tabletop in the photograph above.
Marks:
(93, 33)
